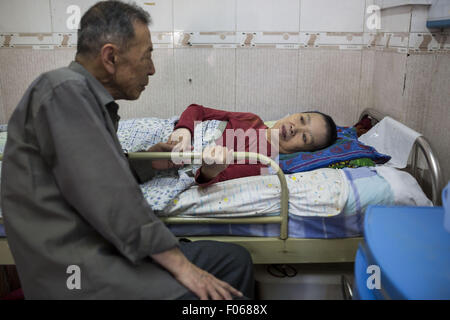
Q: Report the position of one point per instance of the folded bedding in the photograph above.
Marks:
(392, 137)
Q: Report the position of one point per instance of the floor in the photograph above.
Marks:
(286, 282)
(302, 281)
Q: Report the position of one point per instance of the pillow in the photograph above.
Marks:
(342, 150)
(346, 132)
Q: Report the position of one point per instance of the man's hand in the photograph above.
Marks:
(200, 282)
(215, 160)
(205, 285)
(162, 164)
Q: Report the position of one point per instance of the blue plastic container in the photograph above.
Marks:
(411, 250)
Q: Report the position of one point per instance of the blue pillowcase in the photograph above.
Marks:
(346, 132)
(347, 147)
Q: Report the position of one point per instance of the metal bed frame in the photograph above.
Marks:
(283, 250)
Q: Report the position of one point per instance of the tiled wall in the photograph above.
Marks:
(270, 57)
(415, 90)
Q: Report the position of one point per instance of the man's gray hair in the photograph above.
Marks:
(109, 22)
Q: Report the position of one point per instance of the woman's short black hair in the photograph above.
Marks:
(331, 135)
(109, 22)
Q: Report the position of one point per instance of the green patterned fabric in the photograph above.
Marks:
(356, 163)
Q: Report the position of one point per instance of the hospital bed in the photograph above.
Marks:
(282, 249)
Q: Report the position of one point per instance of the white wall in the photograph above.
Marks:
(270, 57)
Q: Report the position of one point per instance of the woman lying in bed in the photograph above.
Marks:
(308, 131)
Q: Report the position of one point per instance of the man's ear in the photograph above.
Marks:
(108, 57)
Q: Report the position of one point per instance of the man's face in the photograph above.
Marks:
(301, 132)
(134, 65)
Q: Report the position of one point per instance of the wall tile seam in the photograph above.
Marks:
(368, 39)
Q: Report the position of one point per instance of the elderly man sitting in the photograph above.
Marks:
(71, 204)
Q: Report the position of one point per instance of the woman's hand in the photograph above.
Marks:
(182, 138)
(215, 160)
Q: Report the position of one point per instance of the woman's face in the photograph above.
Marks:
(301, 132)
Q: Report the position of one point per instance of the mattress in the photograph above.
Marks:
(340, 226)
